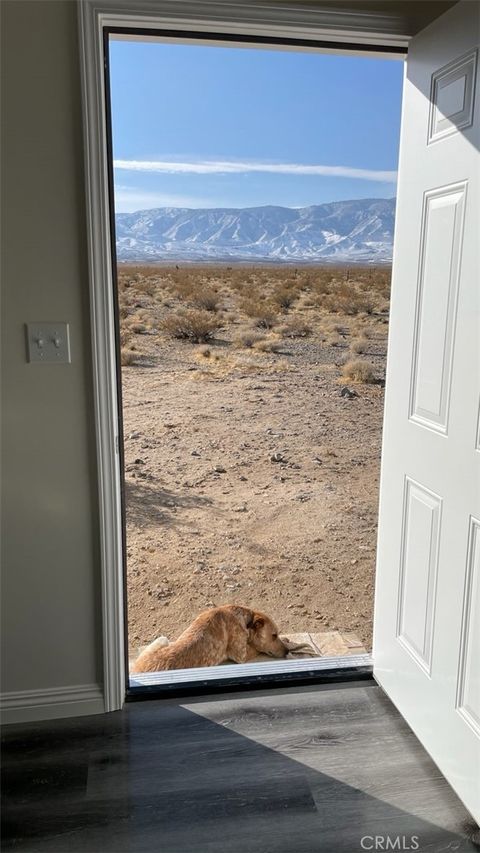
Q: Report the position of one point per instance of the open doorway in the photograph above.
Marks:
(253, 297)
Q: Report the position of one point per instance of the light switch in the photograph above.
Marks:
(48, 343)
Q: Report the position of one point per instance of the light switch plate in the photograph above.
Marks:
(48, 343)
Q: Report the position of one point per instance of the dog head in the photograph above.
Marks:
(263, 636)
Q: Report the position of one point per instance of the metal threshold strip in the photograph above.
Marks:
(238, 676)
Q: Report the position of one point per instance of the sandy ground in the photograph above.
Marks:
(249, 478)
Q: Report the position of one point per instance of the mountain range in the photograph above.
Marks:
(340, 231)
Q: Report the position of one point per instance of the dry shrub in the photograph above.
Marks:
(350, 303)
(195, 292)
(365, 305)
(201, 297)
(244, 285)
(303, 282)
(358, 371)
(126, 356)
(143, 285)
(195, 326)
(360, 345)
(334, 341)
(248, 339)
(262, 313)
(377, 280)
(348, 297)
(145, 316)
(268, 346)
(206, 299)
(284, 297)
(139, 321)
(322, 285)
(296, 328)
(125, 337)
(338, 328)
(180, 277)
(362, 331)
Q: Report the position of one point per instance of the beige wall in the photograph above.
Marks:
(50, 553)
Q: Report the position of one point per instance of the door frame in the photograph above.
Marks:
(274, 25)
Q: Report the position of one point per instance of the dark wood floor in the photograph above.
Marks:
(301, 770)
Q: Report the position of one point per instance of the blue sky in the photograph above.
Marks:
(200, 126)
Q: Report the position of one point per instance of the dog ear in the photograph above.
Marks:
(259, 622)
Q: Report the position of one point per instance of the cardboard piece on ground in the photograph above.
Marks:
(324, 644)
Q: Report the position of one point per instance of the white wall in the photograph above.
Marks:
(51, 631)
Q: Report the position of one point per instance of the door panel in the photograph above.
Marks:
(441, 251)
(427, 610)
(418, 571)
(468, 695)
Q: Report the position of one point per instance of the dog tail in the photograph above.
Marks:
(139, 664)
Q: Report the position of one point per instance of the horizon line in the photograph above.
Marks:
(255, 206)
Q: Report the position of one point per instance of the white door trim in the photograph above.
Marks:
(104, 355)
(384, 32)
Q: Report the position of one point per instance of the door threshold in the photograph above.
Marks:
(230, 677)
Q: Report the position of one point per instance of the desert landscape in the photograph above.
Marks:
(252, 415)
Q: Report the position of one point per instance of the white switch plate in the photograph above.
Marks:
(48, 343)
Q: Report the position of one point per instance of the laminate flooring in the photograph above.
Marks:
(322, 769)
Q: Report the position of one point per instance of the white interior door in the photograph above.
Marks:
(427, 607)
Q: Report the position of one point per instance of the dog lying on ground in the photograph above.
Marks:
(231, 632)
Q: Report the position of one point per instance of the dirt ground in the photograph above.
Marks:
(251, 474)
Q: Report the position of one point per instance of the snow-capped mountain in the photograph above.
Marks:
(353, 231)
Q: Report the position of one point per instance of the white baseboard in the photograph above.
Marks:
(24, 706)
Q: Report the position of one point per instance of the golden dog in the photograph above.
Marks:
(231, 632)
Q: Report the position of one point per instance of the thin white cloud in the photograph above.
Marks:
(223, 167)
